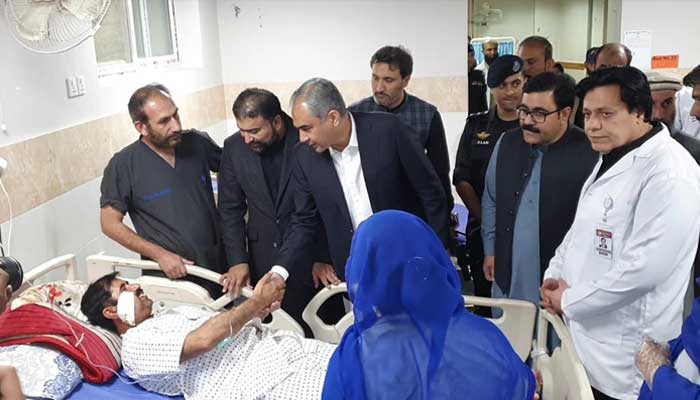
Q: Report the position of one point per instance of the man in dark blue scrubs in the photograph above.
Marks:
(163, 182)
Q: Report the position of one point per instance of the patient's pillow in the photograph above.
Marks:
(64, 295)
(43, 372)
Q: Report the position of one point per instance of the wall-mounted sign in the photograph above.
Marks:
(665, 61)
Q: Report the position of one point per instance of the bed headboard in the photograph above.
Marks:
(167, 293)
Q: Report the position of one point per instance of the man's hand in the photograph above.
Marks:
(9, 384)
(548, 286)
(489, 267)
(172, 264)
(236, 278)
(269, 290)
(324, 274)
(650, 357)
(538, 388)
(552, 297)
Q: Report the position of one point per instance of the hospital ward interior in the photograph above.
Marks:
(350, 199)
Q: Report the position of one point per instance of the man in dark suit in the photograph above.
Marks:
(337, 189)
(255, 175)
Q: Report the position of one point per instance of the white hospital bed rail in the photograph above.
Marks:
(167, 293)
(563, 375)
(517, 321)
(67, 262)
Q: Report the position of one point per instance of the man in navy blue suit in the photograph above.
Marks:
(351, 166)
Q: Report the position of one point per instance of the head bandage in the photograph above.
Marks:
(126, 307)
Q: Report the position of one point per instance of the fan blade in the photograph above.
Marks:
(33, 25)
(86, 10)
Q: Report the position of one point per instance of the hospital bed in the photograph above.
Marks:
(563, 374)
(517, 321)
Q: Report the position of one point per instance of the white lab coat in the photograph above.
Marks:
(653, 200)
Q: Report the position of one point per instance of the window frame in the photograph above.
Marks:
(118, 67)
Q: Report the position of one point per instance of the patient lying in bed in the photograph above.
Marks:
(206, 355)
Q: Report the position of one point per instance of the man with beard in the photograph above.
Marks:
(532, 186)
(664, 91)
(255, 180)
(490, 55)
(392, 67)
(481, 132)
(163, 181)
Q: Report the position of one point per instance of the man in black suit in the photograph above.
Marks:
(256, 167)
(337, 189)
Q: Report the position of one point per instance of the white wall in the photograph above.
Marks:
(33, 97)
(32, 92)
(283, 41)
(289, 41)
(674, 25)
(563, 22)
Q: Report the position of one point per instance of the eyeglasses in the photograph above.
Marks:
(537, 116)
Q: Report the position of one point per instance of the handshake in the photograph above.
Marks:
(269, 292)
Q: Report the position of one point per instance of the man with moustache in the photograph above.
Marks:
(664, 91)
(255, 181)
(163, 181)
(532, 185)
(353, 164)
(643, 196)
(481, 132)
(392, 67)
(490, 55)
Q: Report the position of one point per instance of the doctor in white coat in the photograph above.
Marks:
(622, 270)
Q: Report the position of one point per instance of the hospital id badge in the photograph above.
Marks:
(604, 242)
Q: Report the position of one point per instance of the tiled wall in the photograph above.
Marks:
(42, 168)
(448, 94)
(53, 180)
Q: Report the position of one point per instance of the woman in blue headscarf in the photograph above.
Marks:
(412, 337)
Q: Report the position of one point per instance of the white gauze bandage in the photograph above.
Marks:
(126, 307)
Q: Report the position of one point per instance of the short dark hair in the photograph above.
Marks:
(693, 77)
(98, 296)
(539, 41)
(562, 87)
(139, 97)
(396, 56)
(633, 84)
(607, 46)
(255, 102)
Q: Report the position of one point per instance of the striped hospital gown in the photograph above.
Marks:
(257, 364)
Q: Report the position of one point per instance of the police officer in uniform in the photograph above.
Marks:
(481, 132)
